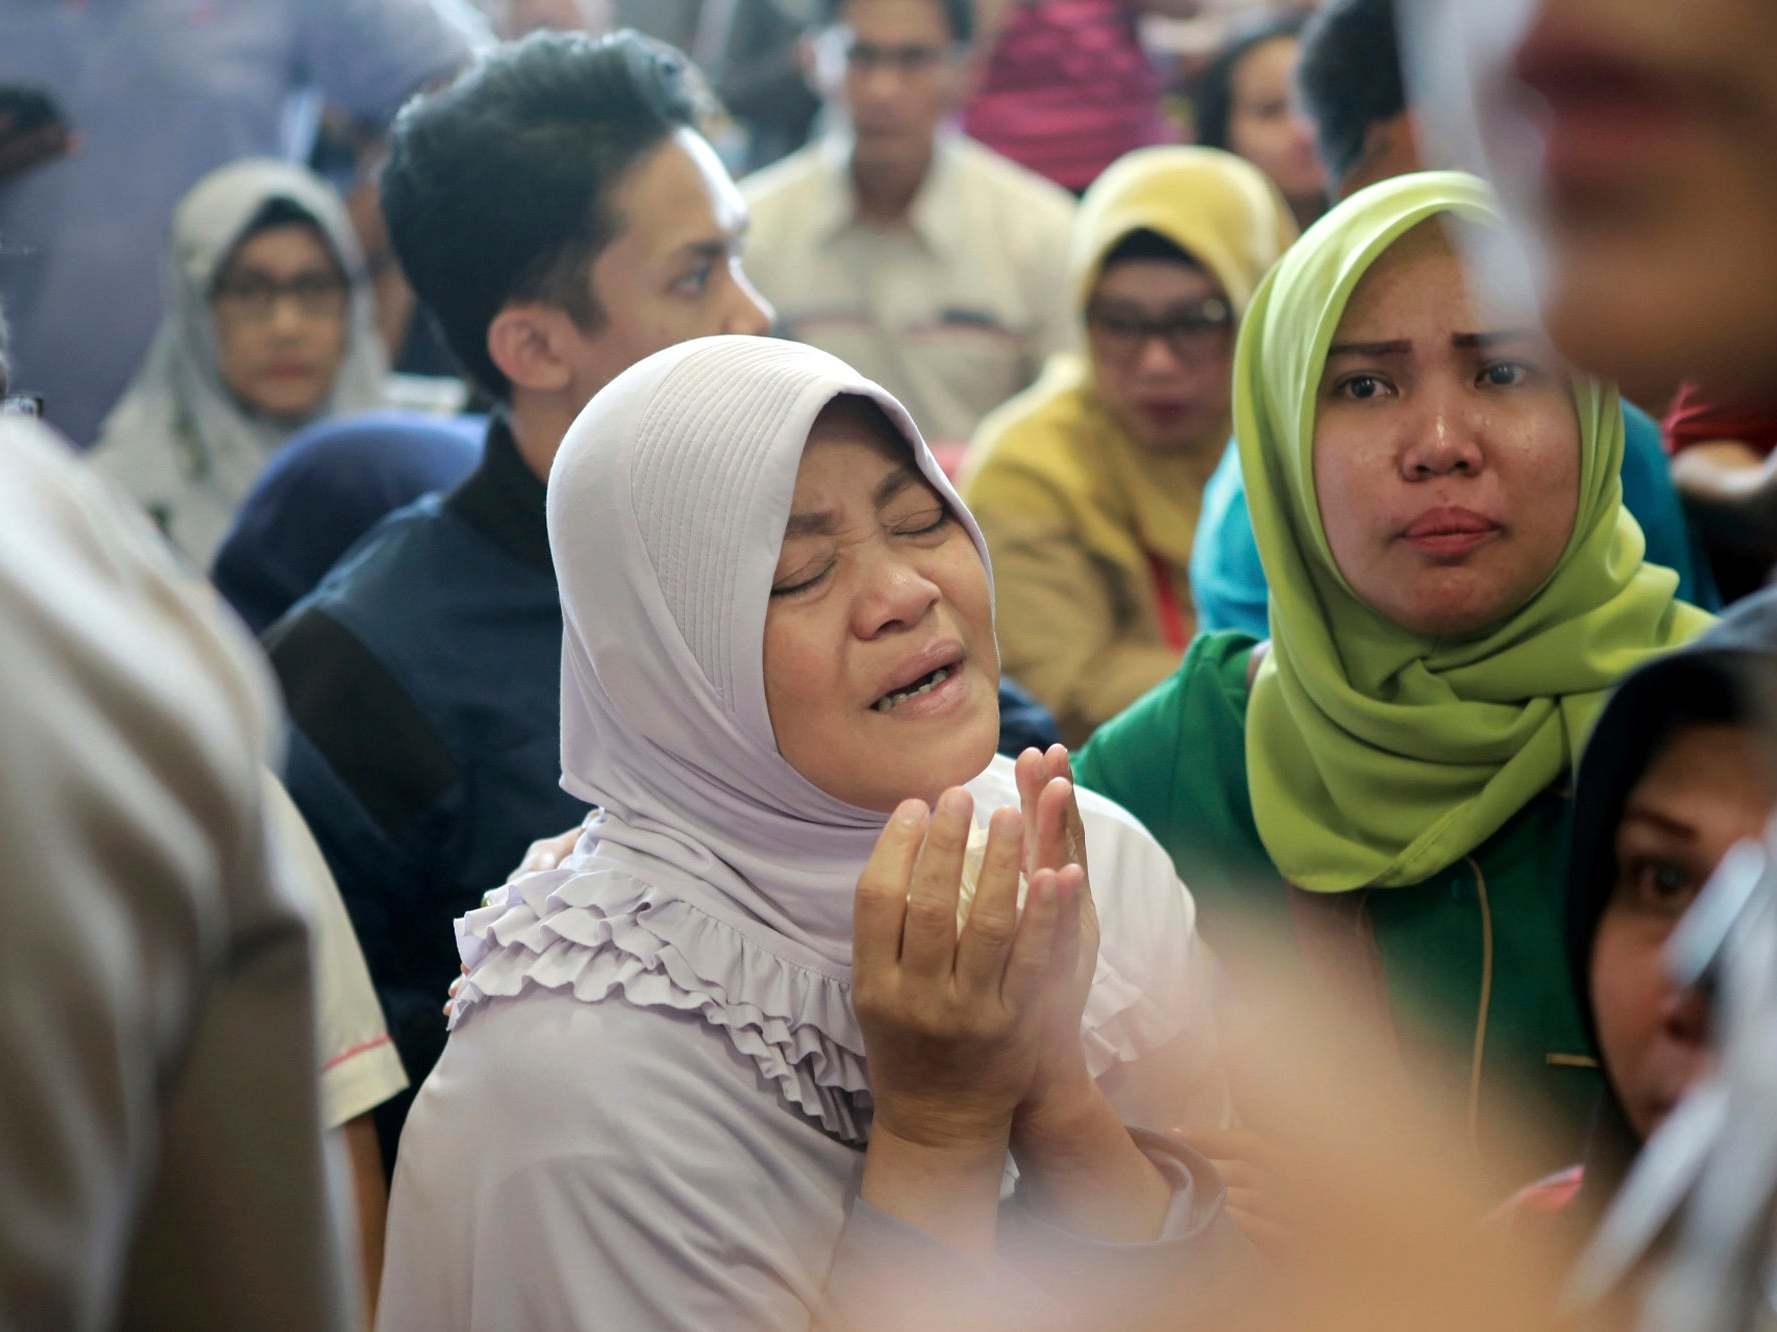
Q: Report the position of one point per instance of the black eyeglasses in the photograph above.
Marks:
(1192, 333)
(256, 299)
(866, 57)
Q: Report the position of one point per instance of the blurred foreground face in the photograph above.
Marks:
(901, 75)
(1705, 789)
(1446, 448)
(1640, 137)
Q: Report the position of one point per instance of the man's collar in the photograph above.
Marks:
(933, 214)
(505, 501)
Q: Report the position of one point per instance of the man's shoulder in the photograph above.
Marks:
(394, 550)
(776, 190)
(999, 176)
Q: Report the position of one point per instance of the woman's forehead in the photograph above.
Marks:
(1420, 275)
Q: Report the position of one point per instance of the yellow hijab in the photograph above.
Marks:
(1225, 214)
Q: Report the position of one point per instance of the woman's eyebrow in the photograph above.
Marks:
(1391, 347)
(1491, 338)
(811, 522)
(825, 522)
(894, 483)
(1657, 819)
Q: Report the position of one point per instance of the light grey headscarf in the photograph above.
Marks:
(717, 879)
(179, 441)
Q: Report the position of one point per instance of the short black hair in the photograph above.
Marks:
(1143, 243)
(1214, 103)
(960, 14)
(279, 211)
(1350, 77)
(498, 187)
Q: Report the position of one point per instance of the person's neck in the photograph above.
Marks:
(538, 422)
(886, 191)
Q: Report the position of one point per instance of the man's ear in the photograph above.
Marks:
(527, 343)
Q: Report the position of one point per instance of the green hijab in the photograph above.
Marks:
(1375, 756)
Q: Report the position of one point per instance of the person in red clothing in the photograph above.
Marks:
(1722, 464)
(1065, 88)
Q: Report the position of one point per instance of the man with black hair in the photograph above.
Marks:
(927, 261)
(560, 215)
(1350, 80)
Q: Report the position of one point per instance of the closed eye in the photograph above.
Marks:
(801, 583)
(924, 524)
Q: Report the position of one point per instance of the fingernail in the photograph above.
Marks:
(954, 803)
(909, 812)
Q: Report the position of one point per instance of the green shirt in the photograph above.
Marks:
(1473, 962)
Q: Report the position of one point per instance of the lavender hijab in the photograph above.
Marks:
(716, 879)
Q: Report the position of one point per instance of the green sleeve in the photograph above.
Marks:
(1176, 759)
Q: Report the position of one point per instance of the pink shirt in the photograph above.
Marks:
(1068, 90)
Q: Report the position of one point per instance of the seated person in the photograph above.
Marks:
(658, 1094)
(1677, 771)
(423, 675)
(1455, 587)
(1088, 484)
(1352, 87)
(270, 325)
(1246, 104)
(327, 487)
(915, 254)
(1721, 463)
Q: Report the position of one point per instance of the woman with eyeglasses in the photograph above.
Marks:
(1088, 485)
(269, 326)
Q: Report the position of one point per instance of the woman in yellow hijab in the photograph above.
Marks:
(1088, 484)
(1455, 588)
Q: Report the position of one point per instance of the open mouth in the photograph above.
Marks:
(924, 685)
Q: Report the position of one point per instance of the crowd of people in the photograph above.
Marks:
(992, 663)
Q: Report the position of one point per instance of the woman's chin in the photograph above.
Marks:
(955, 760)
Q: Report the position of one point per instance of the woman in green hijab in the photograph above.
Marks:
(1455, 588)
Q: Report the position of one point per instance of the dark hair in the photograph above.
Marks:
(1143, 243)
(1214, 103)
(498, 187)
(279, 211)
(1350, 77)
(959, 14)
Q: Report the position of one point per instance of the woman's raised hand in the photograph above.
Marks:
(1055, 841)
(952, 1022)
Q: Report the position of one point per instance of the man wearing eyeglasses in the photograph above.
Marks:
(925, 260)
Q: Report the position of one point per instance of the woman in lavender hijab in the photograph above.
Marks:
(674, 1095)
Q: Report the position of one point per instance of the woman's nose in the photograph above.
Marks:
(1444, 441)
(896, 595)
